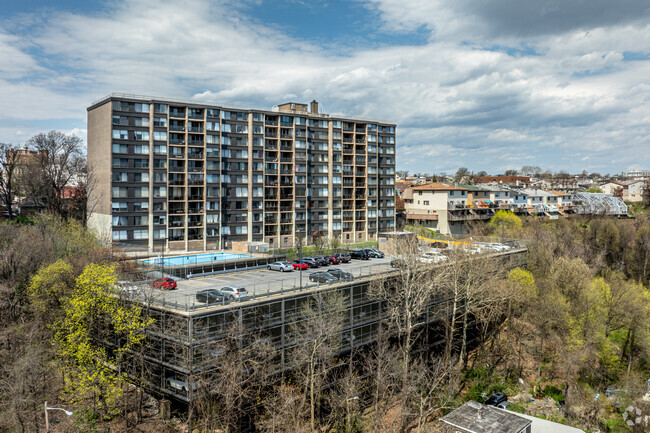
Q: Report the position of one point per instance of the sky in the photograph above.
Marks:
(487, 85)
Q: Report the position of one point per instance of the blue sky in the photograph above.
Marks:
(485, 85)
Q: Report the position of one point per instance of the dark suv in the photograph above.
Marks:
(496, 399)
(359, 255)
(210, 296)
(343, 257)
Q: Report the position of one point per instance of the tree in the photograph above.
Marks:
(9, 163)
(91, 314)
(506, 223)
(511, 172)
(317, 331)
(56, 164)
(531, 170)
(462, 175)
(481, 173)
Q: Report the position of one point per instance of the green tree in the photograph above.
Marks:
(90, 315)
(506, 223)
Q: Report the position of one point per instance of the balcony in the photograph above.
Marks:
(176, 141)
(195, 143)
(177, 128)
(177, 155)
(195, 155)
(271, 122)
(176, 168)
(195, 115)
(178, 114)
(176, 198)
(195, 129)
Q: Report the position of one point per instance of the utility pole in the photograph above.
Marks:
(300, 254)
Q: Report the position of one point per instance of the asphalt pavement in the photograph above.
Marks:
(261, 283)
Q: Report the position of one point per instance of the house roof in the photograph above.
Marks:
(435, 186)
(502, 179)
(479, 418)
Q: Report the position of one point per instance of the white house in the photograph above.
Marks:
(439, 206)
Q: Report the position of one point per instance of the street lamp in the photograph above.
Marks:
(347, 410)
(47, 420)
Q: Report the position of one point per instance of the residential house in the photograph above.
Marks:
(439, 206)
(514, 181)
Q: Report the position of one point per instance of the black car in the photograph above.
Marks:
(343, 257)
(340, 274)
(359, 255)
(374, 253)
(496, 399)
(322, 260)
(311, 262)
(323, 278)
(209, 296)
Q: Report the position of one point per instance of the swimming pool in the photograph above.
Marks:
(193, 260)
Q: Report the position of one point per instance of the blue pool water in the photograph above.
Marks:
(193, 260)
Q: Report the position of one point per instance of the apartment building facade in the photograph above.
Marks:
(188, 176)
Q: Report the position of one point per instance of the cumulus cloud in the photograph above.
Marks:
(497, 85)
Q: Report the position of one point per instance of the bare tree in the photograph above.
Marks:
(317, 331)
(57, 164)
(407, 297)
(9, 162)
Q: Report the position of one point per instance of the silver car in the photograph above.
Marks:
(234, 293)
(280, 266)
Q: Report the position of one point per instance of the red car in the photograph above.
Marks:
(298, 265)
(333, 260)
(164, 283)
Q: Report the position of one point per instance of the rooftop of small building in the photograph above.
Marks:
(435, 186)
(479, 418)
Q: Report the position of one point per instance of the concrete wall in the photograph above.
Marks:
(100, 162)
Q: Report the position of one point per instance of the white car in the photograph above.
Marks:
(433, 257)
(280, 266)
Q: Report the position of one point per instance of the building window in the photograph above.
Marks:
(119, 235)
(141, 135)
(118, 207)
(119, 221)
(140, 234)
(141, 206)
(426, 202)
(160, 108)
(141, 108)
(120, 134)
(119, 192)
(141, 177)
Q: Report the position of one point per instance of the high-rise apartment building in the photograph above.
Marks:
(195, 177)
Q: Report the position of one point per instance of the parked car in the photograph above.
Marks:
(323, 278)
(180, 385)
(322, 260)
(164, 283)
(374, 253)
(496, 398)
(311, 262)
(433, 257)
(333, 260)
(343, 257)
(398, 262)
(209, 296)
(280, 266)
(299, 265)
(359, 255)
(504, 405)
(340, 274)
(234, 293)
(512, 244)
